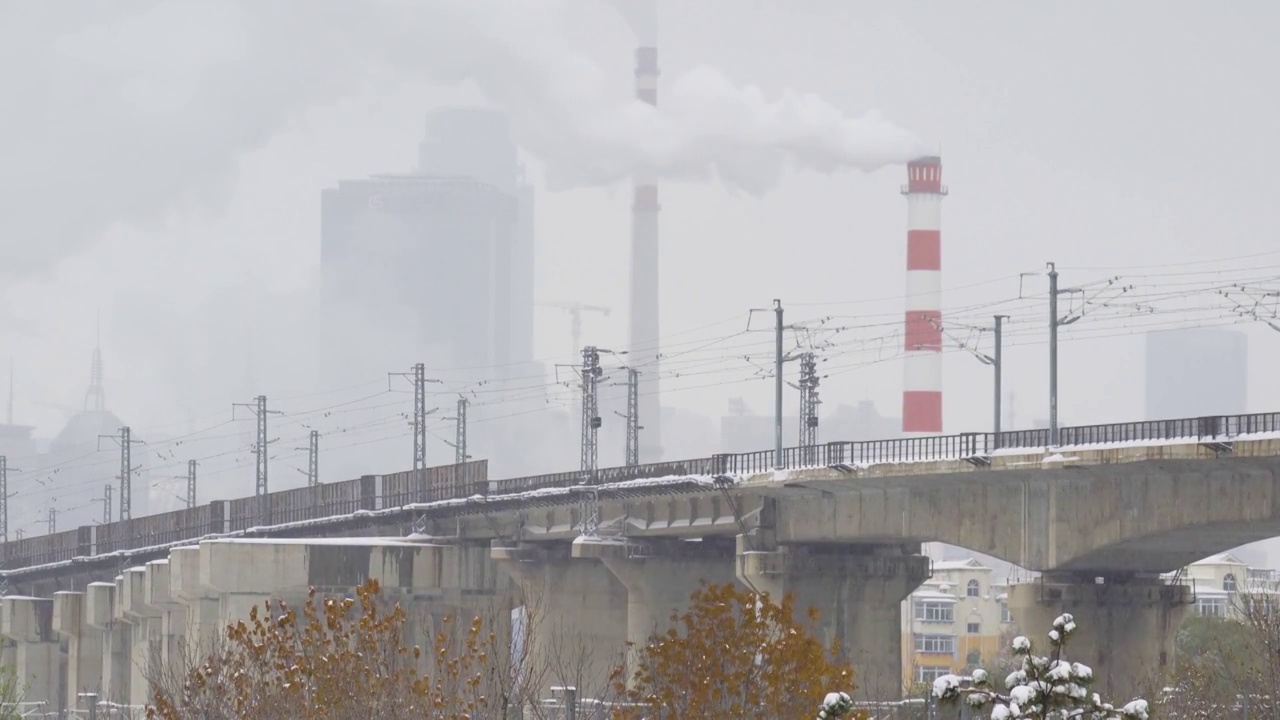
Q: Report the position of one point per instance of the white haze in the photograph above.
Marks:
(177, 92)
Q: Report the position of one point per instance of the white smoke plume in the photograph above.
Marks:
(169, 94)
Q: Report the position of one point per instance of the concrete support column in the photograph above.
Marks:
(1126, 630)
(660, 578)
(100, 615)
(84, 646)
(858, 592)
(576, 615)
(173, 616)
(201, 622)
(144, 627)
(37, 659)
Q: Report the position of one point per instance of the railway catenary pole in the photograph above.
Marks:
(777, 385)
(998, 369)
(127, 469)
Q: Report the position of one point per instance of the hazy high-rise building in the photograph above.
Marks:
(441, 259)
(435, 266)
(1196, 372)
(477, 143)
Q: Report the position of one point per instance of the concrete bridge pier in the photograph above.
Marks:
(660, 577)
(143, 622)
(202, 624)
(100, 616)
(28, 622)
(1126, 632)
(576, 617)
(456, 582)
(858, 592)
(173, 616)
(84, 645)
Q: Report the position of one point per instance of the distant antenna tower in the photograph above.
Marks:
(95, 398)
(4, 499)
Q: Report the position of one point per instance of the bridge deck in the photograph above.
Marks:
(401, 498)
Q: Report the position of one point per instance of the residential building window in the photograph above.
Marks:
(1005, 615)
(1211, 607)
(929, 674)
(973, 589)
(974, 628)
(933, 611)
(1229, 583)
(939, 644)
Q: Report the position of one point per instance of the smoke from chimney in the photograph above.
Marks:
(127, 112)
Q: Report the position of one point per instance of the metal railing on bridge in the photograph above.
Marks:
(458, 482)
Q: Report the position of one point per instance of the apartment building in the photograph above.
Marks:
(1222, 581)
(954, 621)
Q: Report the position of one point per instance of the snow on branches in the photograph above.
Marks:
(1045, 688)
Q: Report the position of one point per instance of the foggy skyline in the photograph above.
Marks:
(1126, 141)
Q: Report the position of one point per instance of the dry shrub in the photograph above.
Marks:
(733, 653)
(340, 659)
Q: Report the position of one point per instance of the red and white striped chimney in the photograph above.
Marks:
(922, 376)
(644, 258)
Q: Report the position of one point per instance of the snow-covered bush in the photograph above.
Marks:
(835, 705)
(1044, 688)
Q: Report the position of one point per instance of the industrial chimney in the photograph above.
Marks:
(644, 244)
(922, 375)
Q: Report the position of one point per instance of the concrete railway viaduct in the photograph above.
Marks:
(1101, 514)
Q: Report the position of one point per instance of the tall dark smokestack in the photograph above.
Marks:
(644, 246)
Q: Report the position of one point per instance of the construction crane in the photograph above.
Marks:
(575, 310)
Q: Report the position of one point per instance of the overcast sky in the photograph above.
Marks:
(1099, 135)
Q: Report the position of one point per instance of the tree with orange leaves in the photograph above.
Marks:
(733, 653)
(340, 659)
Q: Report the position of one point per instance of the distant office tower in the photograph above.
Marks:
(440, 261)
(477, 143)
(419, 265)
(1196, 372)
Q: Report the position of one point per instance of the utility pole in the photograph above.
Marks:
(313, 460)
(997, 367)
(1053, 354)
(191, 484)
(126, 470)
(777, 387)
(4, 498)
(633, 417)
(52, 522)
(809, 405)
(460, 434)
(259, 408)
(106, 504)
